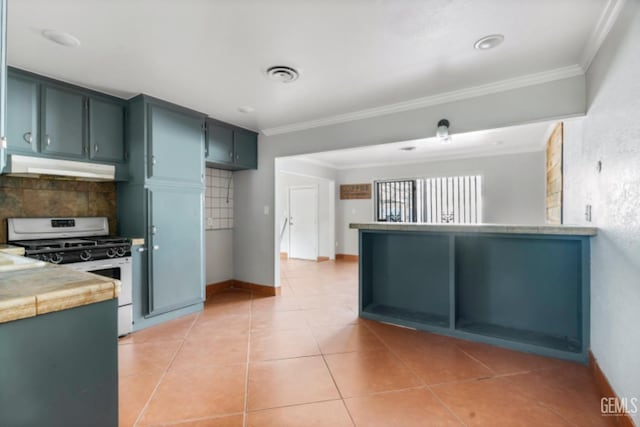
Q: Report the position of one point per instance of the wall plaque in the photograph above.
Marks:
(355, 191)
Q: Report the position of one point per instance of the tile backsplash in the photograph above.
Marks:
(42, 197)
(218, 207)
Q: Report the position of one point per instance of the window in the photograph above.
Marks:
(455, 200)
(396, 201)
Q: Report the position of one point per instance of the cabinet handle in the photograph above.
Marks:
(141, 249)
(3, 142)
(237, 156)
(95, 147)
(153, 160)
(48, 140)
(27, 137)
(153, 230)
(156, 247)
(230, 154)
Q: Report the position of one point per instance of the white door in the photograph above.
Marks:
(303, 223)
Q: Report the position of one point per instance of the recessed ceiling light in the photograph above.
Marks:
(246, 109)
(489, 42)
(283, 74)
(409, 148)
(61, 38)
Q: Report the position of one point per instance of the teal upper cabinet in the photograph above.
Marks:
(22, 114)
(245, 144)
(106, 130)
(63, 124)
(219, 143)
(175, 145)
(230, 147)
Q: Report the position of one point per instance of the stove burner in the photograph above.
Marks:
(65, 251)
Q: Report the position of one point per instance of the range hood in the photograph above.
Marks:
(37, 166)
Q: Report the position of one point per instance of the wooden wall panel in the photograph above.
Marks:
(554, 176)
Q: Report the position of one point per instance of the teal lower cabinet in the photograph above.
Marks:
(64, 368)
(521, 291)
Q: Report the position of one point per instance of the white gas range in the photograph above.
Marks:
(82, 244)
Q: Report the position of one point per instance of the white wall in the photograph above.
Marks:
(219, 255)
(611, 133)
(513, 189)
(256, 233)
(326, 210)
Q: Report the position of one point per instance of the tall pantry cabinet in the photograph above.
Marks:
(163, 201)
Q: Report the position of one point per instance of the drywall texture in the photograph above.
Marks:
(218, 255)
(513, 190)
(255, 240)
(31, 197)
(326, 210)
(611, 133)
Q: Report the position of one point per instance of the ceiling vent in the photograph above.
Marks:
(283, 74)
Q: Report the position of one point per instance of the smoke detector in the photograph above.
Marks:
(283, 74)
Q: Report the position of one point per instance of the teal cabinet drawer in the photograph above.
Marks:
(22, 114)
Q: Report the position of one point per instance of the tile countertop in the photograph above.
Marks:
(30, 288)
(10, 249)
(559, 230)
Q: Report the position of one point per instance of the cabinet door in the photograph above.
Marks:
(22, 114)
(220, 143)
(176, 146)
(63, 123)
(176, 254)
(245, 146)
(106, 131)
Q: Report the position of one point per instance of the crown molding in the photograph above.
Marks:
(607, 19)
(443, 98)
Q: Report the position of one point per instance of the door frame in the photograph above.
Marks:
(316, 233)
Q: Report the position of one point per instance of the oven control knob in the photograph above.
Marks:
(121, 251)
(85, 255)
(55, 258)
(111, 252)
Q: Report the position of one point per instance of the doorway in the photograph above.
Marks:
(303, 223)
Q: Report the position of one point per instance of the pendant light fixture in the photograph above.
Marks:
(443, 131)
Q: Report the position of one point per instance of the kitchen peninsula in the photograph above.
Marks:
(520, 287)
(58, 329)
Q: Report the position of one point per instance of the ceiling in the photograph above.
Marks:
(210, 55)
(509, 140)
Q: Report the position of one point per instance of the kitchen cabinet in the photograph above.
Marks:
(60, 369)
(175, 146)
(163, 202)
(63, 123)
(3, 83)
(175, 263)
(106, 130)
(230, 147)
(22, 114)
(48, 118)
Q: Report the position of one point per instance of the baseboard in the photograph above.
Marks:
(346, 257)
(215, 288)
(263, 289)
(323, 258)
(284, 255)
(605, 389)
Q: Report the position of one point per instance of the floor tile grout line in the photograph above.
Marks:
(164, 373)
(246, 370)
(191, 420)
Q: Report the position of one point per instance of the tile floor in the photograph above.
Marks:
(305, 359)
